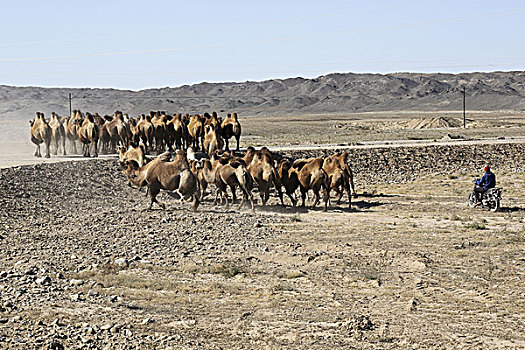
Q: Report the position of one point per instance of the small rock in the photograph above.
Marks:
(31, 271)
(75, 282)
(56, 346)
(106, 326)
(257, 224)
(3, 274)
(16, 318)
(147, 321)
(43, 280)
(115, 329)
(92, 293)
(113, 298)
(412, 303)
(122, 262)
(77, 297)
(3, 320)
(59, 276)
(128, 333)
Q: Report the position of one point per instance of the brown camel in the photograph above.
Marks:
(40, 133)
(163, 174)
(58, 133)
(261, 168)
(205, 173)
(146, 132)
(231, 172)
(231, 127)
(212, 120)
(307, 174)
(342, 159)
(117, 131)
(134, 152)
(88, 134)
(160, 132)
(174, 127)
(212, 139)
(337, 178)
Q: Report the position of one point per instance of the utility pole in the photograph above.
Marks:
(464, 118)
(70, 104)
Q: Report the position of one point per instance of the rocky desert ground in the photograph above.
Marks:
(85, 266)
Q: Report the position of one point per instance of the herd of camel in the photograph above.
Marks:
(193, 154)
(157, 131)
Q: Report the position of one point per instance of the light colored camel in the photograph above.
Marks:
(72, 126)
(58, 133)
(196, 131)
(40, 133)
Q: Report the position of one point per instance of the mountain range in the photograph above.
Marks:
(337, 93)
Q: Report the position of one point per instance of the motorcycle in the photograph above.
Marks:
(491, 199)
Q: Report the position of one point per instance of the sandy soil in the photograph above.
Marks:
(84, 266)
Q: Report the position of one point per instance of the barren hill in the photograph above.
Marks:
(333, 93)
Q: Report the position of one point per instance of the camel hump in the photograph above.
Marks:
(235, 163)
(299, 164)
(164, 157)
(235, 116)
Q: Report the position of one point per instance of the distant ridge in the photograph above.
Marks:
(332, 93)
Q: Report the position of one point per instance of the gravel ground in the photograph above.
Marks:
(83, 265)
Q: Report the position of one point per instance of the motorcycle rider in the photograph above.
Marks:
(487, 182)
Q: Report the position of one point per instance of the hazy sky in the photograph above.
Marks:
(142, 44)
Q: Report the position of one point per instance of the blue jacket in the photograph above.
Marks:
(487, 181)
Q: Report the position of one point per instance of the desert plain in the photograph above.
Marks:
(410, 266)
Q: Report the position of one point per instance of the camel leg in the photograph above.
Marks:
(47, 149)
(317, 197)
(55, 149)
(154, 190)
(37, 151)
(204, 186)
(347, 189)
(234, 195)
(64, 145)
(303, 196)
(95, 144)
(195, 202)
(351, 178)
(238, 139)
(339, 193)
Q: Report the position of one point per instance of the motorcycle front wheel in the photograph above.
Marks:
(494, 205)
(471, 199)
